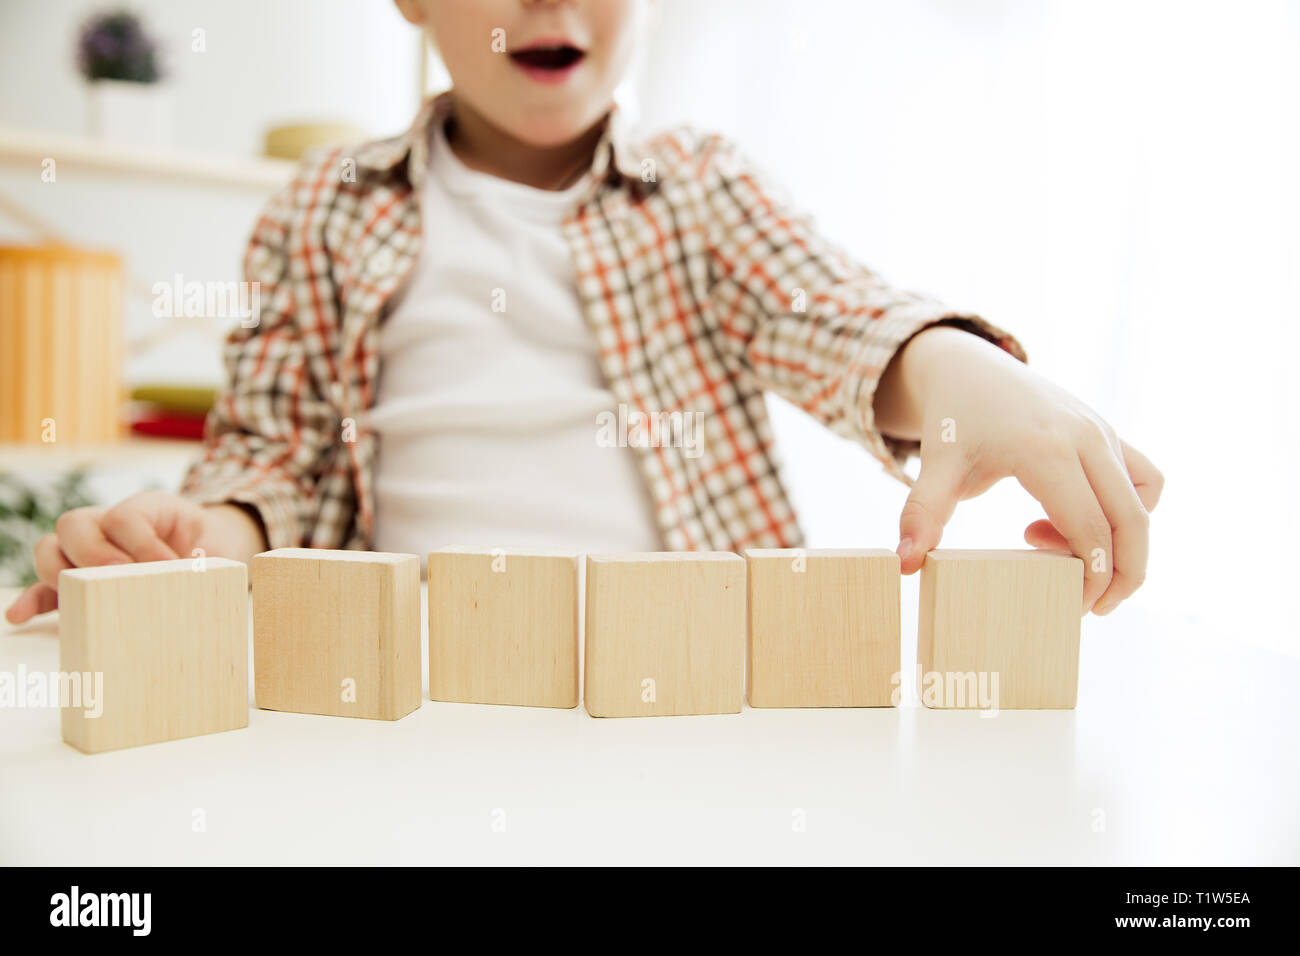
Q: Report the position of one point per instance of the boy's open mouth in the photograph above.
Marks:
(548, 62)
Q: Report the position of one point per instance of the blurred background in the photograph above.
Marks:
(1114, 182)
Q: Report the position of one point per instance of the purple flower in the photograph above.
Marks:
(114, 46)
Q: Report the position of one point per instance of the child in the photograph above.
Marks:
(446, 315)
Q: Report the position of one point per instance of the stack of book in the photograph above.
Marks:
(170, 411)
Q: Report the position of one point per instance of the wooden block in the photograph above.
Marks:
(503, 627)
(169, 640)
(337, 632)
(823, 628)
(665, 634)
(999, 629)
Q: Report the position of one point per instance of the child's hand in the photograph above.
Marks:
(986, 417)
(150, 526)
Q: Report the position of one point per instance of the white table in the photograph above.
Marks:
(1183, 750)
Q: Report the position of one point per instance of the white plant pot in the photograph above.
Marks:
(136, 113)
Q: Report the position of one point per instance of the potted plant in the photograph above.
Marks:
(28, 511)
(126, 99)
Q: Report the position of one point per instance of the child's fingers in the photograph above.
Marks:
(928, 508)
(48, 560)
(1147, 482)
(37, 599)
(186, 531)
(1059, 484)
(134, 532)
(83, 541)
(1129, 523)
(1042, 534)
(175, 522)
(1146, 477)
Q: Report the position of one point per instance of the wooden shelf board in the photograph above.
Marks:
(19, 146)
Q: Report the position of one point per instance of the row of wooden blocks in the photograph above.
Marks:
(338, 633)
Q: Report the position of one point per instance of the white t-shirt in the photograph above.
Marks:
(489, 386)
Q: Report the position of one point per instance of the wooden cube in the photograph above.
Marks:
(999, 630)
(823, 628)
(503, 627)
(665, 634)
(164, 644)
(337, 632)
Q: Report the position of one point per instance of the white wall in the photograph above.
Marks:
(1112, 180)
(266, 62)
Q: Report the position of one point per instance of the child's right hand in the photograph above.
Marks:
(150, 526)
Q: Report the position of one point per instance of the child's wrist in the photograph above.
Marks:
(941, 353)
(239, 527)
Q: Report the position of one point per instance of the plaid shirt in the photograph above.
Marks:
(701, 288)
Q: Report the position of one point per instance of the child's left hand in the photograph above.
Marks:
(986, 417)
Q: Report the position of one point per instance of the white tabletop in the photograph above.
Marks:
(1182, 751)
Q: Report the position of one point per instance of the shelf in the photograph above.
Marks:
(79, 152)
(126, 452)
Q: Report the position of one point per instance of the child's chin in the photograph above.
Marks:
(544, 132)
